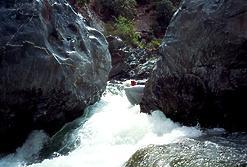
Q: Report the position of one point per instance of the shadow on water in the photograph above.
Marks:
(64, 141)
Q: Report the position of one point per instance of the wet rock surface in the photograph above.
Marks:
(201, 76)
(52, 66)
(220, 150)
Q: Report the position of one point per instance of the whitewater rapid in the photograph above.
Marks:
(111, 133)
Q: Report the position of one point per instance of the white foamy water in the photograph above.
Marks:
(114, 131)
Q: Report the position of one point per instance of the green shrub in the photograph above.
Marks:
(124, 28)
(154, 44)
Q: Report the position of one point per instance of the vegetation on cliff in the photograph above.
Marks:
(140, 23)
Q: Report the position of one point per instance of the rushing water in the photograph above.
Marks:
(112, 130)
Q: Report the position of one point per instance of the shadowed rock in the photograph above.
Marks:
(201, 76)
(52, 66)
(129, 62)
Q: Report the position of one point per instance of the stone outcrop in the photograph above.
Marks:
(52, 66)
(201, 76)
(189, 152)
(128, 63)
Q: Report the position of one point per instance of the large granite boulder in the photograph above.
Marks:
(52, 66)
(201, 76)
(218, 151)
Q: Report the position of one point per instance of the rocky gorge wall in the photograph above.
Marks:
(201, 77)
(130, 63)
(52, 66)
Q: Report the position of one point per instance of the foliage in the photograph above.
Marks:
(124, 28)
(154, 44)
(119, 16)
(117, 8)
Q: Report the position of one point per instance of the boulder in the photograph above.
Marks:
(190, 152)
(52, 66)
(201, 77)
(127, 62)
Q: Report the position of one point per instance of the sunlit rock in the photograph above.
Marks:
(189, 152)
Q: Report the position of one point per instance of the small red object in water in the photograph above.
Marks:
(133, 83)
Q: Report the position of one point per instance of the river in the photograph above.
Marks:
(112, 130)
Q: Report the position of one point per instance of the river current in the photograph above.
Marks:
(112, 130)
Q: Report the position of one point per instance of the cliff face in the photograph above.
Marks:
(201, 76)
(129, 63)
(52, 65)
